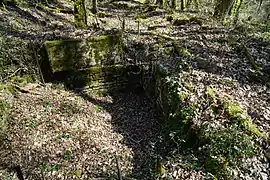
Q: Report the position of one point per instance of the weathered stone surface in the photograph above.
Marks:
(95, 63)
(67, 55)
(106, 77)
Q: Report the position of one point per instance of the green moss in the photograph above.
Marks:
(185, 113)
(103, 44)
(13, 2)
(107, 77)
(223, 148)
(239, 116)
(225, 22)
(7, 88)
(211, 93)
(233, 109)
(182, 96)
(217, 168)
(94, 84)
(226, 149)
(62, 54)
(98, 108)
(142, 16)
(235, 7)
(247, 123)
(80, 13)
(50, 44)
(188, 86)
(23, 80)
(80, 54)
(122, 4)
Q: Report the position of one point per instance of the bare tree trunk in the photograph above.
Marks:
(80, 13)
(174, 4)
(222, 8)
(183, 4)
(94, 7)
(235, 10)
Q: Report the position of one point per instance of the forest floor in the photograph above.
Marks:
(56, 134)
(59, 134)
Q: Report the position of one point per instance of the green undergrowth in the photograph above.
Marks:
(220, 146)
(46, 166)
(17, 59)
(23, 80)
(7, 88)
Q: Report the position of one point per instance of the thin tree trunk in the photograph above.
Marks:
(183, 4)
(237, 10)
(80, 13)
(94, 7)
(222, 8)
(174, 4)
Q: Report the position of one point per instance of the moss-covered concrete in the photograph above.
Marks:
(96, 63)
(103, 78)
(66, 55)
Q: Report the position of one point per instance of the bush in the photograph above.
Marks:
(226, 148)
(16, 57)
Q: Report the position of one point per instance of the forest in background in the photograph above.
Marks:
(217, 54)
